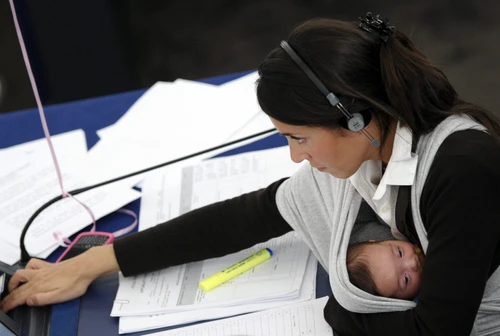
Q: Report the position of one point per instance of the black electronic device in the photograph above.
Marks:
(85, 241)
(23, 320)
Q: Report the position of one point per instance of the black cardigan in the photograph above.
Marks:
(460, 208)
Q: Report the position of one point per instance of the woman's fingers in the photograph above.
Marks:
(35, 293)
(20, 277)
(37, 264)
(19, 293)
(15, 298)
(55, 296)
(51, 283)
(43, 283)
(24, 275)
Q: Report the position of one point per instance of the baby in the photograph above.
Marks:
(390, 268)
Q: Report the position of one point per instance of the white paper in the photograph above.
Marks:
(108, 160)
(170, 121)
(70, 147)
(242, 82)
(164, 108)
(241, 92)
(209, 182)
(142, 323)
(299, 319)
(176, 288)
(67, 146)
(151, 106)
(258, 123)
(9, 254)
(26, 186)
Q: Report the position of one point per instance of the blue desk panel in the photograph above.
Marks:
(91, 115)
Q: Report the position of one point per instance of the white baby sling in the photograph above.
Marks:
(324, 209)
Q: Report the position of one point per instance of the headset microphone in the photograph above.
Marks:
(355, 121)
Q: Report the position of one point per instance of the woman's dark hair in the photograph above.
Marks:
(393, 79)
(357, 268)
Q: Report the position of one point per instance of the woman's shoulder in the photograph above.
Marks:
(474, 148)
(463, 178)
(469, 158)
(469, 139)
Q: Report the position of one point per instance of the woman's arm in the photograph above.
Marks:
(211, 231)
(460, 207)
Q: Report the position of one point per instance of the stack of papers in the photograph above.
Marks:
(305, 319)
(173, 120)
(28, 180)
(159, 299)
(172, 296)
(169, 121)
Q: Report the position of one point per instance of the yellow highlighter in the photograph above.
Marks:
(234, 270)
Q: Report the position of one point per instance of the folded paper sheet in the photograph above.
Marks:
(28, 180)
(279, 281)
(298, 319)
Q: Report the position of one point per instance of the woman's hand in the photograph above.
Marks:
(42, 283)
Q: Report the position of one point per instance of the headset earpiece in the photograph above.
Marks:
(356, 122)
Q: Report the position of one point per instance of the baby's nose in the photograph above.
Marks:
(411, 263)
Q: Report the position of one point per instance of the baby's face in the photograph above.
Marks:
(396, 268)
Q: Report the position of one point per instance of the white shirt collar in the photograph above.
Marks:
(400, 169)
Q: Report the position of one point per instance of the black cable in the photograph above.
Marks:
(24, 253)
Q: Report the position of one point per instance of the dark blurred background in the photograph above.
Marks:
(88, 48)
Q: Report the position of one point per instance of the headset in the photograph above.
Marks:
(355, 121)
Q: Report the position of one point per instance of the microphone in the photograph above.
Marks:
(25, 257)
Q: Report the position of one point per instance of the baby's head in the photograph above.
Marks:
(390, 268)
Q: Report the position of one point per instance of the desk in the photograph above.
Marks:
(91, 115)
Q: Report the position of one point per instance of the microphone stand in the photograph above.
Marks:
(25, 257)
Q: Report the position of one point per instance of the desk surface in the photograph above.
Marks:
(91, 115)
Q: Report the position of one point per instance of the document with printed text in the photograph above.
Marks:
(129, 324)
(176, 191)
(303, 319)
(176, 288)
(180, 190)
(27, 186)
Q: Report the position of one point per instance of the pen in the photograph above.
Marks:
(234, 270)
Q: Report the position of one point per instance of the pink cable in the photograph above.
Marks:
(42, 113)
(64, 241)
(129, 228)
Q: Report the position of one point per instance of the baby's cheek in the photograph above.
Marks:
(417, 282)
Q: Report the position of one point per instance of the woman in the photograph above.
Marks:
(447, 201)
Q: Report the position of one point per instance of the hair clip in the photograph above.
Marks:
(377, 26)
